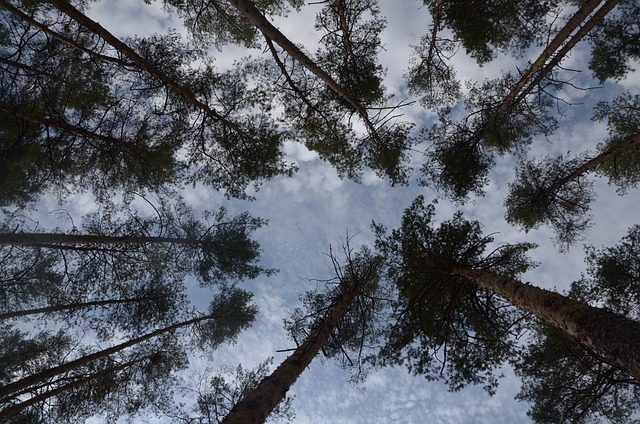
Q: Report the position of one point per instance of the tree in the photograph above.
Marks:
(615, 43)
(229, 313)
(383, 147)
(360, 275)
(556, 191)
(566, 381)
(73, 118)
(485, 27)
(443, 326)
(447, 259)
(505, 114)
(153, 103)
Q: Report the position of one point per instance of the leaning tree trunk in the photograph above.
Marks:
(67, 8)
(70, 307)
(42, 376)
(253, 14)
(257, 405)
(537, 71)
(629, 143)
(612, 336)
(59, 241)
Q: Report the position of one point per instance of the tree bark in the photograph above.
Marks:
(612, 336)
(75, 14)
(51, 372)
(253, 14)
(257, 405)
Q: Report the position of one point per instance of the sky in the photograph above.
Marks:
(315, 209)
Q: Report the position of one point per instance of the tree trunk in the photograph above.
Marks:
(612, 336)
(53, 240)
(630, 143)
(44, 375)
(75, 14)
(68, 307)
(538, 68)
(253, 14)
(44, 28)
(257, 405)
(17, 408)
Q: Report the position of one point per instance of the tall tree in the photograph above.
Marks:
(564, 380)
(359, 275)
(615, 42)
(443, 326)
(69, 113)
(504, 113)
(386, 141)
(485, 27)
(217, 392)
(447, 259)
(229, 313)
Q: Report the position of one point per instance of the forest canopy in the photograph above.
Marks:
(406, 185)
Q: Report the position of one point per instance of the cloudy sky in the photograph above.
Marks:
(316, 209)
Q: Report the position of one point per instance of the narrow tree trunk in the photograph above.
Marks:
(17, 408)
(68, 307)
(44, 375)
(75, 14)
(630, 143)
(257, 405)
(44, 28)
(612, 336)
(53, 240)
(253, 14)
(538, 68)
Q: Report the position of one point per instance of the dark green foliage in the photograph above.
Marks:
(510, 130)
(623, 121)
(431, 75)
(351, 43)
(217, 22)
(455, 166)
(461, 153)
(613, 276)
(442, 326)
(22, 353)
(545, 192)
(231, 312)
(616, 42)
(486, 27)
(564, 381)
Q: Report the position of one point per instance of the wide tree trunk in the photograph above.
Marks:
(51, 372)
(612, 336)
(257, 405)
